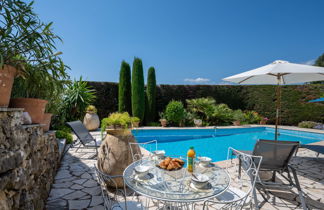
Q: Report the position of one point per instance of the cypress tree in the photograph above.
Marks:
(150, 112)
(138, 96)
(124, 89)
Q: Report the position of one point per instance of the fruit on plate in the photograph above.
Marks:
(171, 163)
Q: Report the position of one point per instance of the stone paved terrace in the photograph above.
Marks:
(75, 185)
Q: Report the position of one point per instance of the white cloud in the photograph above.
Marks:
(309, 62)
(197, 80)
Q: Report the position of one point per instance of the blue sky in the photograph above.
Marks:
(184, 39)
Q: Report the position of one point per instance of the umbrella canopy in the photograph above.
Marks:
(279, 72)
(317, 100)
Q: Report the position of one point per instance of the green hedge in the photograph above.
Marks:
(295, 107)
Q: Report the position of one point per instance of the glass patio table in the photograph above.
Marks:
(176, 186)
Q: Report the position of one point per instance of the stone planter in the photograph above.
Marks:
(91, 121)
(46, 121)
(198, 122)
(115, 154)
(7, 76)
(237, 123)
(163, 122)
(35, 107)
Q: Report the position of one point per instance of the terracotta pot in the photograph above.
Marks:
(135, 124)
(237, 123)
(35, 107)
(163, 122)
(115, 155)
(91, 121)
(7, 76)
(263, 122)
(47, 121)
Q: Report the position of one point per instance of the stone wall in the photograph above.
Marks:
(28, 162)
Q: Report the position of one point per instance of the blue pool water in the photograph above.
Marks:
(214, 143)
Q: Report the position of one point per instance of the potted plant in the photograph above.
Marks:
(24, 41)
(238, 117)
(163, 119)
(35, 91)
(263, 120)
(135, 122)
(91, 119)
(116, 123)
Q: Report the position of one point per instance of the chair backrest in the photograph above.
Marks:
(81, 132)
(276, 154)
(103, 179)
(250, 165)
(148, 147)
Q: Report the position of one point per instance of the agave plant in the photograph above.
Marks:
(77, 97)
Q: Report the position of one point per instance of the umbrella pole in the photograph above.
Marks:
(278, 95)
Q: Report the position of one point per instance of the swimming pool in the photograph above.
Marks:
(215, 142)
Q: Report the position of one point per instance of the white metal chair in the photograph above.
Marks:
(149, 146)
(242, 188)
(110, 194)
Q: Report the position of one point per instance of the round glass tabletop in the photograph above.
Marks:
(176, 186)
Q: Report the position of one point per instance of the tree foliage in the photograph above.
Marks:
(320, 61)
(150, 113)
(124, 89)
(25, 39)
(138, 96)
(175, 112)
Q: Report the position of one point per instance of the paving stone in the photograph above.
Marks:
(78, 204)
(77, 173)
(90, 183)
(99, 207)
(62, 185)
(65, 180)
(75, 195)
(76, 187)
(86, 176)
(57, 193)
(58, 203)
(62, 174)
(92, 190)
(96, 200)
(80, 181)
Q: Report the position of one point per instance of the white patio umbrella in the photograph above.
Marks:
(279, 72)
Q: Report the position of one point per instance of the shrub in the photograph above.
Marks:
(77, 97)
(202, 108)
(251, 117)
(91, 109)
(150, 112)
(222, 115)
(124, 89)
(238, 115)
(138, 97)
(154, 124)
(62, 134)
(307, 124)
(175, 112)
(135, 119)
(122, 120)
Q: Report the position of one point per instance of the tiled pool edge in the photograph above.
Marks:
(231, 127)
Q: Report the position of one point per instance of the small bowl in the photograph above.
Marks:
(159, 153)
(142, 170)
(205, 161)
(200, 180)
